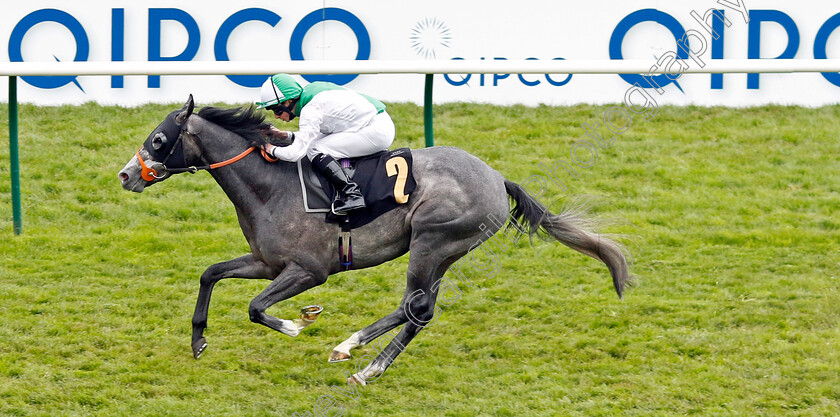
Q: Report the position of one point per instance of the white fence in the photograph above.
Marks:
(673, 67)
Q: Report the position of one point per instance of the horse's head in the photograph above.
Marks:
(175, 146)
(162, 154)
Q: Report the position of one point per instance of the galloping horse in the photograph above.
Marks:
(445, 217)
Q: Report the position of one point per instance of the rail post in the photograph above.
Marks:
(427, 112)
(14, 156)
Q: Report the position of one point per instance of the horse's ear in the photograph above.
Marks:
(186, 111)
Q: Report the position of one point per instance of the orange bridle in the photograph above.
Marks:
(150, 174)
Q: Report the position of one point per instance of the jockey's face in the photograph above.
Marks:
(284, 115)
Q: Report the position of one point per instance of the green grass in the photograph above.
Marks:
(731, 216)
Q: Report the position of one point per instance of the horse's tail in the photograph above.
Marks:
(572, 229)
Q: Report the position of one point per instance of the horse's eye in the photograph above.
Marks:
(158, 141)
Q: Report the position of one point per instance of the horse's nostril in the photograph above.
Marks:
(123, 177)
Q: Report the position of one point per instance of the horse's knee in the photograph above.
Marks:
(255, 312)
(211, 276)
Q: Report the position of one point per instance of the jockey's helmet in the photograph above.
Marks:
(277, 89)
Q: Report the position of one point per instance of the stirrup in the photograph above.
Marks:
(346, 210)
(332, 210)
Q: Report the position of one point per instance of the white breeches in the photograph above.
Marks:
(374, 137)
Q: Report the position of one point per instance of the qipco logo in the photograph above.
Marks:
(156, 19)
(710, 34)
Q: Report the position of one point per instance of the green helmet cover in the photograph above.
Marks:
(277, 89)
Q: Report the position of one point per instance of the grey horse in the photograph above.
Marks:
(451, 211)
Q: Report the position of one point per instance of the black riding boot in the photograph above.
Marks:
(348, 197)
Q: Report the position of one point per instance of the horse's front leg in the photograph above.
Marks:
(292, 281)
(246, 267)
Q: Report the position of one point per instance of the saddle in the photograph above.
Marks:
(385, 178)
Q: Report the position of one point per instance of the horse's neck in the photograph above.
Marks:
(251, 182)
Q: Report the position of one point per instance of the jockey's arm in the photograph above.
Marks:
(291, 153)
(309, 125)
(278, 137)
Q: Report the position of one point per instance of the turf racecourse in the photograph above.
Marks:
(731, 216)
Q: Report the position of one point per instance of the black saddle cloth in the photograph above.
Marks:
(386, 179)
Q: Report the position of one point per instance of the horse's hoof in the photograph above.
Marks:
(198, 347)
(308, 315)
(337, 356)
(356, 380)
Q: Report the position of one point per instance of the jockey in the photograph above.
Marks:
(335, 122)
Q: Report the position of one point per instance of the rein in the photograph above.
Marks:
(150, 174)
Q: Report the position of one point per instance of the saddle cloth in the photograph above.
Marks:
(385, 178)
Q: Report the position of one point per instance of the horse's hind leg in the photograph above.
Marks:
(443, 232)
(416, 310)
(398, 317)
(243, 267)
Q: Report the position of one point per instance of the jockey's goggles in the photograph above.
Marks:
(279, 109)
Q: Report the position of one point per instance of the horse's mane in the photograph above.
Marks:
(244, 121)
